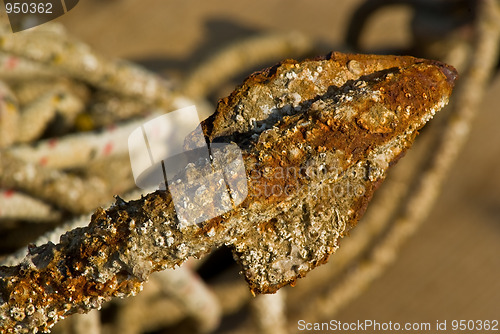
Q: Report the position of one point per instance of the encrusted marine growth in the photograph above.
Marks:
(317, 139)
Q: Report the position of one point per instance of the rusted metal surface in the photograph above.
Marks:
(317, 139)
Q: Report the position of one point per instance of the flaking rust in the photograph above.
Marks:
(317, 139)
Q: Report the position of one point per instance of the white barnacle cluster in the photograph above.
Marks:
(310, 74)
(182, 251)
(144, 227)
(376, 95)
(291, 75)
(159, 240)
(169, 239)
(17, 313)
(441, 104)
(211, 232)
